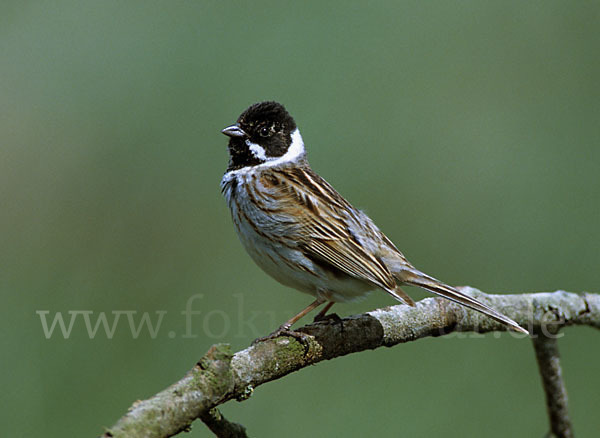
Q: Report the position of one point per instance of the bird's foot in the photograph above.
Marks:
(333, 317)
(285, 331)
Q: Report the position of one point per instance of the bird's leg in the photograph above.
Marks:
(284, 329)
(322, 315)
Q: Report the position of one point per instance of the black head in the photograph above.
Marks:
(262, 133)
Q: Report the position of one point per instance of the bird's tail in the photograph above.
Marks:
(439, 288)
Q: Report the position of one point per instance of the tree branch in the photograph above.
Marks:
(548, 359)
(220, 426)
(221, 376)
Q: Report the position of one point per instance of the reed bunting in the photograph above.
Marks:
(302, 232)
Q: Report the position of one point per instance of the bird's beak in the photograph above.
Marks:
(234, 131)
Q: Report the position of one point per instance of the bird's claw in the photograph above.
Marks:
(334, 317)
(283, 331)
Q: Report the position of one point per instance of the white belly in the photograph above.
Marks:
(286, 263)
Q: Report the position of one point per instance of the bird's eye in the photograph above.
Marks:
(264, 131)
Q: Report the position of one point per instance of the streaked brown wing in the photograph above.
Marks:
(352, 260)
(323, 233)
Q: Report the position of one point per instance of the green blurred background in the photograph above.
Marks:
(467, 130)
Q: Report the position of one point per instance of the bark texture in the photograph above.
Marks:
(221, 375)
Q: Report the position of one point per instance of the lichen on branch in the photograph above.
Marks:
(221, 376)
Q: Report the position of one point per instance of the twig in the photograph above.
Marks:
(221, 376)
(548, 359)
(220, 426)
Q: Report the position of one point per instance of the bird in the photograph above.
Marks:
(303, 233)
